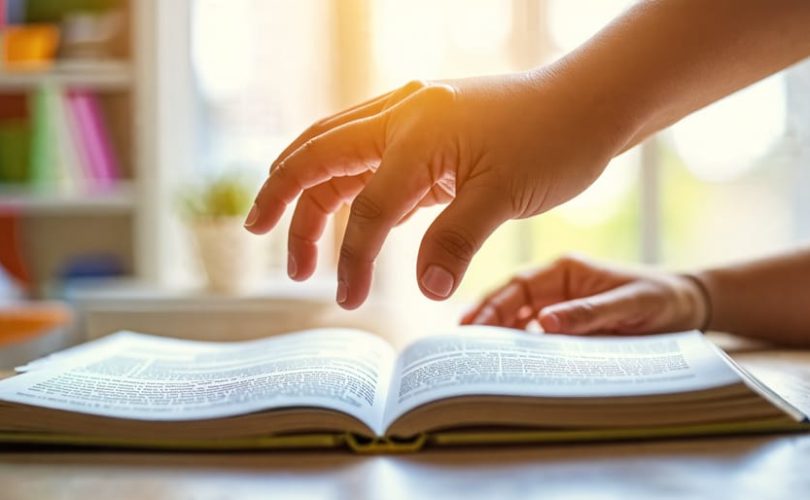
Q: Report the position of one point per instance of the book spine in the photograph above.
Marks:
(73, 125)
(69, 164)
(102, 160)
(14, 151)
(42, 157)
(14, 138)
(15, 11)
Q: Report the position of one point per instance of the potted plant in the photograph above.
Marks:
(215, 212)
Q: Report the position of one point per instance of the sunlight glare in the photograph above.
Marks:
(725, 140)
(221, 49)
(571, 22)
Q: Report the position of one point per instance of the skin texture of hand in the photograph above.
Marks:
(576, 296)
(516, 145)
(474, 143)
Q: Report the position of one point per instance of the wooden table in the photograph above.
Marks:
(732, 467)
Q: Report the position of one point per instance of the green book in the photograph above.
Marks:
(15, 144)
(43, 138)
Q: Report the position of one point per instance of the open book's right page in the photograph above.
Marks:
(503, 362)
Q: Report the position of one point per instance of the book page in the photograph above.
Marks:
(503, 362)
(144, 377)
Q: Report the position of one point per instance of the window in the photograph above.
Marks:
(720, 184)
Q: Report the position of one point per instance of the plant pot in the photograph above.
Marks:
(230, 256)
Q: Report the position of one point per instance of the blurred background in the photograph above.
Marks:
(133, 133)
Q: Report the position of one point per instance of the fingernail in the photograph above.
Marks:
(253, 215)
(292, 266)
(342, 292)
(438, 281)
(552, 322)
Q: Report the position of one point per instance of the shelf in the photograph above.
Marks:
(96, 75)
(28, 201)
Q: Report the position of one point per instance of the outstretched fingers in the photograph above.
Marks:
(347, 150)
(365, 109)
(395, 189)
(309, 220)
(360, 111)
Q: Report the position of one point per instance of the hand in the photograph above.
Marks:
(495, 148)
(577, 296)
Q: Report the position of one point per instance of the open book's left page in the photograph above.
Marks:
(143, 377)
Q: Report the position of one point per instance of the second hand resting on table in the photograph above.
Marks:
(514, 146)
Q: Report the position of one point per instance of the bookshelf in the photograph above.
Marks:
(29, 201)
(57, 226)
(103, 76)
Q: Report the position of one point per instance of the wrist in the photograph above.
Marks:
(608, 118)
(700, 300)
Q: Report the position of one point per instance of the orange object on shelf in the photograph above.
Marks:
(29, 46)
(20, 322)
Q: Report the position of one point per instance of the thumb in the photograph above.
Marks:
(619, 310)
(455, 236)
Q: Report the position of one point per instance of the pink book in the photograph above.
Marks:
(97, 149)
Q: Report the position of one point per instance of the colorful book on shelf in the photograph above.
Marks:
(54, 160)
(43, 172)
(348, 388)
(14, 11)
(71, 149)
(92, 134)
(14, 138)
(69, 164)
(14, 151)
(72, 157)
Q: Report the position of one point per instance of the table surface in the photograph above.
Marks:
(776, 466)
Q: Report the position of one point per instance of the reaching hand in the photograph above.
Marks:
(576, 296)
(495, 148)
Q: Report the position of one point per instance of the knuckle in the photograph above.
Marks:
(415, 85)
(309, 202)
(521, 284)
(409, 89)
(317, 128)
(298, 237)
(437, 95)
(313, 130)
(308, 145)
(457, 244)
(348, 253)
(279, 172)
(569, 260)
(495, 310)
(584, 312)
(365, 209)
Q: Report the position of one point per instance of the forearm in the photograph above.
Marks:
(664, 59)
(767, 299)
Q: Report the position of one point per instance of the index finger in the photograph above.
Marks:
(360, 111)
(349, 149)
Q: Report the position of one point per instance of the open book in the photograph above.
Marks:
(337, 387)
